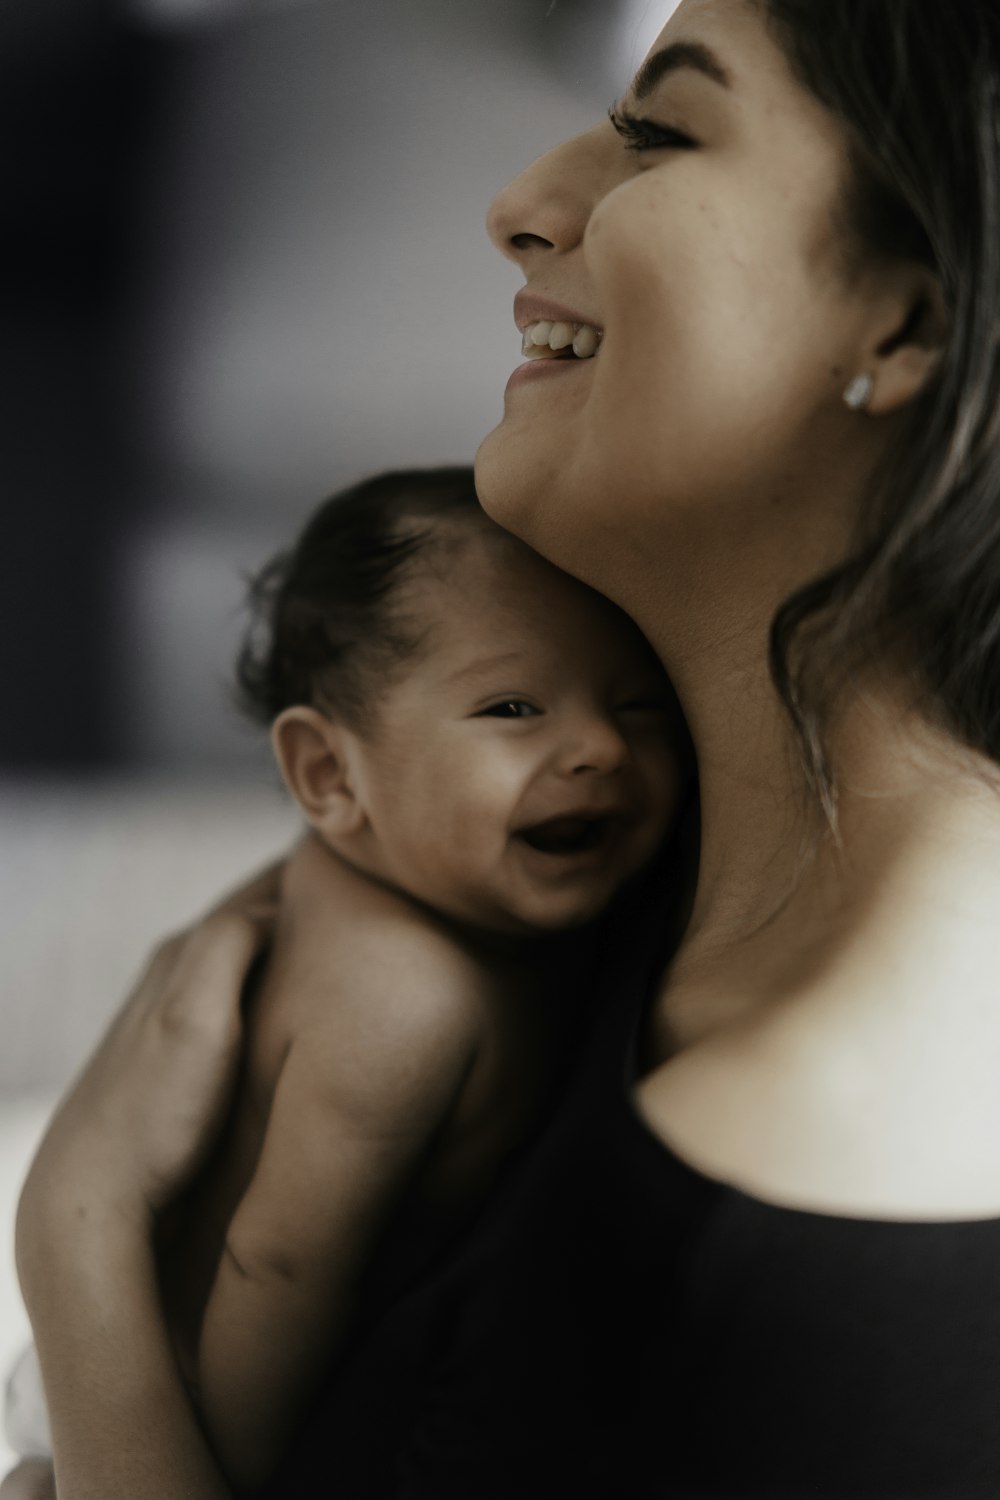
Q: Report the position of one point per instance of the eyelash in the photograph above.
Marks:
(496, 710)
(646, 135)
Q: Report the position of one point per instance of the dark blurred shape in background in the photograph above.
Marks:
(73, 104)
(243, 263)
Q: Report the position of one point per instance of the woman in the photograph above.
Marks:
(768, 1261)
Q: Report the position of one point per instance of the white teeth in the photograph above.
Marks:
(585, 343)
(531, 350)
(544, 339)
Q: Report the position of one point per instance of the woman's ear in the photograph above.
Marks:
(907, 349)
(317, 758)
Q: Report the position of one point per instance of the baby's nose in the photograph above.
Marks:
(597, 745)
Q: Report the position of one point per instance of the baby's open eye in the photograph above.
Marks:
(511, 708)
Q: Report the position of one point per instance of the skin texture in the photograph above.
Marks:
(698, 469)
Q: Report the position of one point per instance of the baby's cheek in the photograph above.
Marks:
(662, 807)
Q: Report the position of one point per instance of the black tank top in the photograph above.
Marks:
(618, 1325)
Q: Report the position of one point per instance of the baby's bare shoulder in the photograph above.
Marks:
(395, 1021)
(414, 977)
(343, 934)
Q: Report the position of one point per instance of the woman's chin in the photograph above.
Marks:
(506, 482)
(538, 499)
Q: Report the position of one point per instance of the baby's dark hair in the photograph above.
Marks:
(325, 618)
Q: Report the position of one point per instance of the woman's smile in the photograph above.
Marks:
(697, 225)
(535, 368)
(552, 336)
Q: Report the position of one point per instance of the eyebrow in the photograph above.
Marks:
(482, 665)
(672, 59)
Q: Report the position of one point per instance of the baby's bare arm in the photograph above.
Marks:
(359, 1098)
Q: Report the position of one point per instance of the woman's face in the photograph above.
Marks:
(710, 253)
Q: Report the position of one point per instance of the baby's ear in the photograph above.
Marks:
(314, 755)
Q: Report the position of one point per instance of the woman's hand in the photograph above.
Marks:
(138, 1121)
(129, 1134)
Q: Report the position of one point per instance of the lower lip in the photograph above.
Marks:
(542, 369)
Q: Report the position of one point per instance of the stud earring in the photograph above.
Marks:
(859, 393)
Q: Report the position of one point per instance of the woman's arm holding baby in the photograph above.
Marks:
(121, 1420)
(360, 1097)
(128, 1135)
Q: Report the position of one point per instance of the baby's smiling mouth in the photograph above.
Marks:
(566, 835)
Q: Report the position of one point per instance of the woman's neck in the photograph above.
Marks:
(780, 904)
(755, 816)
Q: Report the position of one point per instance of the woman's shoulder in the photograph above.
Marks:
(804, 1110)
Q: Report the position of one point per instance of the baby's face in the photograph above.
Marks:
(523, 767)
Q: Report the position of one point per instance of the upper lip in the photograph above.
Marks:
(530, 309)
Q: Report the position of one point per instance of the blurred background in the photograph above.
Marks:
(243, 263)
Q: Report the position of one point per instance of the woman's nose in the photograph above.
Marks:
(549, 205)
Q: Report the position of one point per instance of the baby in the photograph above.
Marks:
(484, 753)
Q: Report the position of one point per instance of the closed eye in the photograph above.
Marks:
(510, 708)
(646, 135)
(645, 706)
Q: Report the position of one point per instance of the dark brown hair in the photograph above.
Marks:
(325, 625)
(917, 85)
